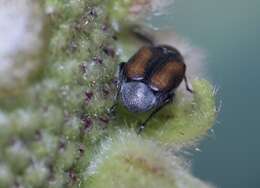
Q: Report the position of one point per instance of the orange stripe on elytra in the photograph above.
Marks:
(137, 66)
(169, 75)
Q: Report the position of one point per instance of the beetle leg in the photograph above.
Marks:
(119, 79)
(118, 86)
(111, 110)
(187, 85)
(142, 126)
(120, 74)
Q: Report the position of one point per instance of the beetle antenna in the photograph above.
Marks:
(187, 85)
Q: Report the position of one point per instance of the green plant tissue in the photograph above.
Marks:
(58, 61)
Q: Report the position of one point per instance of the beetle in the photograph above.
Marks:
(149, 79)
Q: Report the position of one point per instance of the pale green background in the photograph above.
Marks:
(229, 31)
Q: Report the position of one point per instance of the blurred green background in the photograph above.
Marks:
(229, 32)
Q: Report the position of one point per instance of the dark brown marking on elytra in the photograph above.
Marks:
(136, 67)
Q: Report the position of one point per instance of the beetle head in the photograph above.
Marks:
(137, 97)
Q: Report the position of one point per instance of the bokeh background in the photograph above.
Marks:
(229, 31)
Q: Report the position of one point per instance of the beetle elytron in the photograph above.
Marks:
(149, 79)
